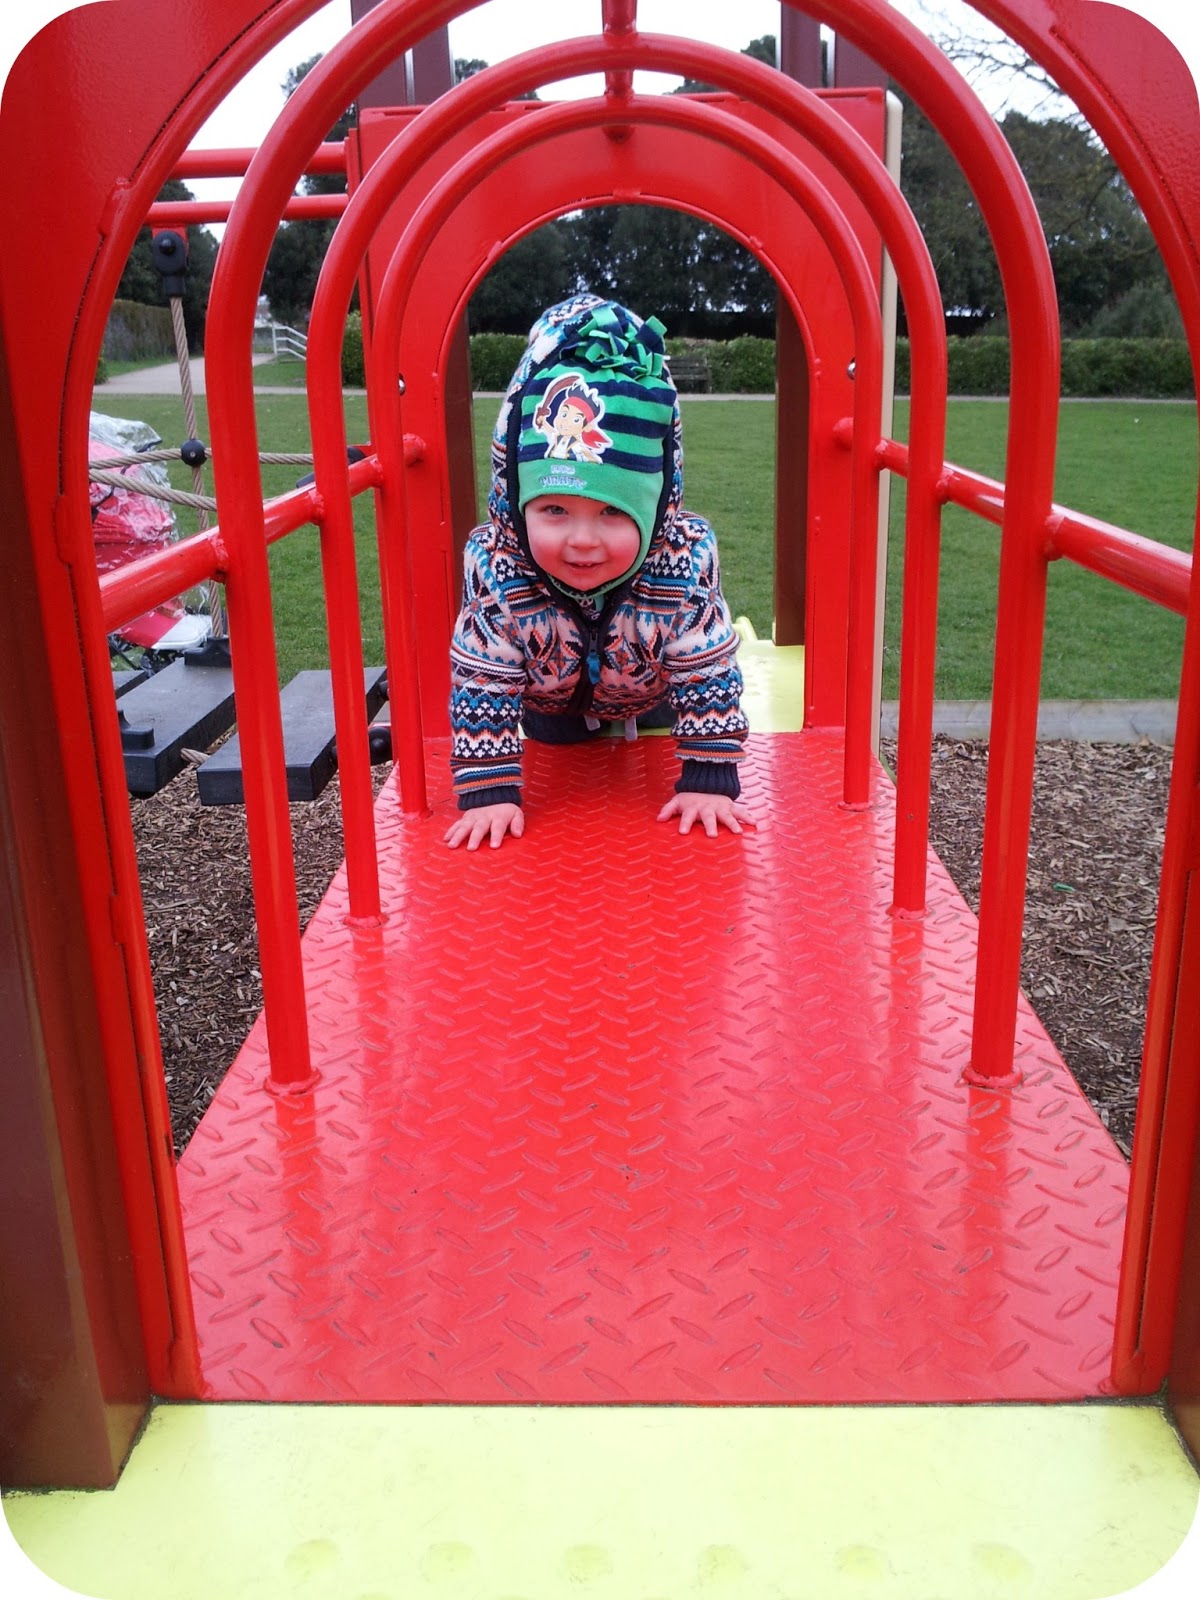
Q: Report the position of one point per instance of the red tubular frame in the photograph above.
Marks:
(187, 213)
(619, 21)
(708, 122)
(148, 581)
(264, 193)
(804, 111)
(270, 179)
(101, 837)
(1068, 36)
(1142, 121)
(1031, 303)
(1145, 567)
(372, 199)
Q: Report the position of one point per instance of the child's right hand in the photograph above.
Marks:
(485, 822)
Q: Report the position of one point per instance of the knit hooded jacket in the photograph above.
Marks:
(522, 641)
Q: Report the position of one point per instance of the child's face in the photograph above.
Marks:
(570, 420)
(583, 543)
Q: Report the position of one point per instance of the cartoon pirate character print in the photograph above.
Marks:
(568, 415)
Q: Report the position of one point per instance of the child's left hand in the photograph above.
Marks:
(709, 809)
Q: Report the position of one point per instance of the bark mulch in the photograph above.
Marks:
(1089, 925)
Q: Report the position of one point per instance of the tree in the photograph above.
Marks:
(1100, 244)
(535, 273)
(142, 281)
(999, 69)
(675, 266)
(762, 49)
(948, 215)
(294, 264)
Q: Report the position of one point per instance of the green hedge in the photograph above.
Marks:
(136, 331)
(737, 366)
(743, 366)
(354, 362)
(494, 358)
(1091, 368)
(1135, 367)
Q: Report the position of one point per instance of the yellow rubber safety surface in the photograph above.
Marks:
(773, 679)
(246, 1502)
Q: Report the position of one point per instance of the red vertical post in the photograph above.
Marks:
(619, 20)
(1168, 1330)
(76, 1385)
(800, 60)
(421, 76)
(343, 621)
(791, 476)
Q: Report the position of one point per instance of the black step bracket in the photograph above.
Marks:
(212, 653)
(181, 707)
(308, 741)
(126, 678)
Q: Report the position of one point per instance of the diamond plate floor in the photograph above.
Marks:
(615, 1115)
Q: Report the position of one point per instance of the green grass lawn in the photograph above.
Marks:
(1134, 465)
(280, 374)
(116, 369)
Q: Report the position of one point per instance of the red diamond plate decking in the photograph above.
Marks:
(615, 1115)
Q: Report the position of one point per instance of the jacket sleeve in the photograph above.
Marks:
(487, 681)
(705, 682)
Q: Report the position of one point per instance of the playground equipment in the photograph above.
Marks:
(816, 1148)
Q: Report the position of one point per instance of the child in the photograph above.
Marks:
(589, 593)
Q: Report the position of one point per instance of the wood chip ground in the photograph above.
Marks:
(1089, 925)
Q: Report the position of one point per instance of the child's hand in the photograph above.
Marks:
(485, 822)
(709, 809)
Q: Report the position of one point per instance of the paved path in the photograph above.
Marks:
(165, 380)
(1096, 721)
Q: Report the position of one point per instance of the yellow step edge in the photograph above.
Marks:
(253, 1502)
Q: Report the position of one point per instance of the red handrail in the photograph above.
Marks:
(269, 182)
(1146, 567)
(1012, 220)
(189, 213)
(233, 161)
(148, 581)
(1144, 108)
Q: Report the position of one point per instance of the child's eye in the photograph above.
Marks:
(613, 511)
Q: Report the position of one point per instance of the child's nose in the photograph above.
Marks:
(584, 532)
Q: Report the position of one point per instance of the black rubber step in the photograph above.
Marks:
(182, 707)
(308, 741)
(127, 678)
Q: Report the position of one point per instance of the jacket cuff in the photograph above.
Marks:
(710, 777)
(504, 794)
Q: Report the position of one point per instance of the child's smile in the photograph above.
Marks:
(581, 542)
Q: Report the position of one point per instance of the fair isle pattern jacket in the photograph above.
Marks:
(520, 641)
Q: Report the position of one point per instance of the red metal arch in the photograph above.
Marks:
(376, 194)
(667, 173)
(234, 438)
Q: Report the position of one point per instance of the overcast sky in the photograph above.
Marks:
(501, 28)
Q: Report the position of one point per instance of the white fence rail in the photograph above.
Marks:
(284, 343)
